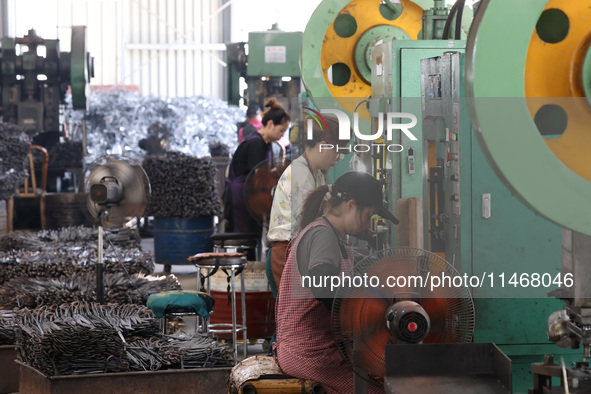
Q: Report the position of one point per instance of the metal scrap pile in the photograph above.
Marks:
(218, 149)
(14, 154)
(90, 338)
(179, 351)
(67, 236)
(81, 337)
(7, 328)
(118, 120)
(66, 155)
(182, 186)
(66, 262)
(119, 289)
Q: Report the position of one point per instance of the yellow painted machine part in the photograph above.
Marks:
(336, 49)
(554, 71)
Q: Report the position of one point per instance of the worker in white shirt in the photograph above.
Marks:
(303, 175)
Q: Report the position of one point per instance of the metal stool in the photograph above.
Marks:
(237, 243)
(235, 262)
(181, 303)
(200, 322)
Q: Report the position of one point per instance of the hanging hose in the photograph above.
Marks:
(450, 17)
(460, 13)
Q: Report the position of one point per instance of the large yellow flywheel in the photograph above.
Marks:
(555, 83)
(338, 39)
(528, 76)
(343, 50)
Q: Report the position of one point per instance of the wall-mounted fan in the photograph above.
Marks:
(116, 190)
(366, 319)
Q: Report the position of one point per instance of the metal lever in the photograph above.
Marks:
(486, 206)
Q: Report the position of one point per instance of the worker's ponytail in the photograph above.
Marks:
(313, 206)
(316, 203)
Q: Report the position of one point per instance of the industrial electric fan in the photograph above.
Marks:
(116, 190)
(402, 307)
(259, 187)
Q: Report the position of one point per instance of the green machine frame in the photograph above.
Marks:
(271, 69)
(505, 238)
(272, 56)
(512, 239)
(397, 85)
(483, 228)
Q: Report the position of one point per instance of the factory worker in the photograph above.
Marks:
(253, 122)
(302, 176)
(305, 345)
(253, 150)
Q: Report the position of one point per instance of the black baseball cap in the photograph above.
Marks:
(364, 188)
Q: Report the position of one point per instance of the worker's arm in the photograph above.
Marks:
(319, 258)
(319, 272)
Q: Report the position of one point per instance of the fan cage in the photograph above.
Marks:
(259, 186)
(361, 340)
(136, 190)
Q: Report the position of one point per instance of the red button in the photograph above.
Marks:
(412, 327)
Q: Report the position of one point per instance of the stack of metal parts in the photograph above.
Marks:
(14, 153)
(182, 186)
(7, 328)
(179, 351)
(83, 338)
(118, 120)
(67, 236)
(219, 149)
(70, 261)
(66, 155)
(119, 289)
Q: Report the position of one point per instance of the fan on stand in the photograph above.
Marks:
(259, 187)
(366, 319)
(117, 190)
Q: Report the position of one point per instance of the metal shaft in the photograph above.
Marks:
(243, 296)
(234, 333)
(84, 140)
(99, 269)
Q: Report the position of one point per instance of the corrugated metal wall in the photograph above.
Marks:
(174, 47)
(168, 48)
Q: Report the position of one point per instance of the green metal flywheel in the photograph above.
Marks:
(338, 38)
(498, 62)
(80, 68)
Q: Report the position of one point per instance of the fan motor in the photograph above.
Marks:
(407, 322)
(108, 191)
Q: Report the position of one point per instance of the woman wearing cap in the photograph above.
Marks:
(250, 152)
(302, 176)
(305, 344)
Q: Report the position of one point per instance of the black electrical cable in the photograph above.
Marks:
(460, 14)
(450, 17)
